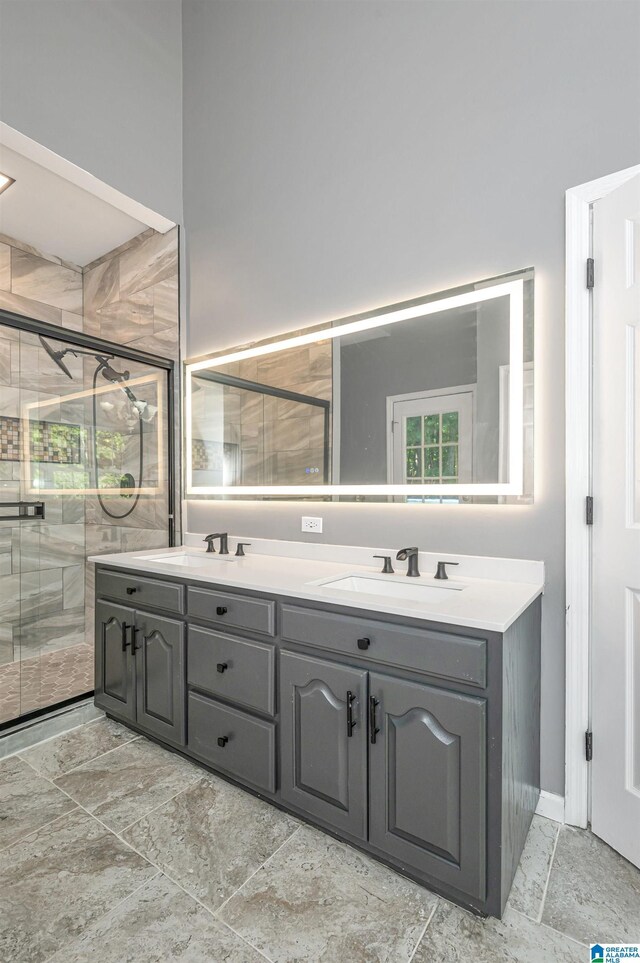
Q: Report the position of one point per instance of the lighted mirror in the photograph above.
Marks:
(429, 400)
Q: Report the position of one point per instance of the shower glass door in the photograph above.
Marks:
(84, 470)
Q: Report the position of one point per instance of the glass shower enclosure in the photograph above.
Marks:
(86, 466)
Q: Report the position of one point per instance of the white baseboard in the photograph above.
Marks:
(551, 805)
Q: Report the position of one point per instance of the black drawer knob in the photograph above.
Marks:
(222, 666)
(222, 741)
(364, 643)
(221, 610)
(131, 590)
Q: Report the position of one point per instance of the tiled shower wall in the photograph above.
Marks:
(130, 297)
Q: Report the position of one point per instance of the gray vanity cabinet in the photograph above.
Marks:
(114, 667)
(140, 669)
(427, 773)
(159, 658)
(324, 741)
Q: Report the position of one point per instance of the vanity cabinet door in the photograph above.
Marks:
(324, 747)
(160, 676)
(427, 786)
(115, 666)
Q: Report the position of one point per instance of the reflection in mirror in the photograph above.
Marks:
(416, 402)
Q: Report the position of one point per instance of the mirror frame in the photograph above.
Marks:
(407, 310)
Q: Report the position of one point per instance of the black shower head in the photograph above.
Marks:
(57, 356)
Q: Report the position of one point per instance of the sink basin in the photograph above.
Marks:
(391, 588)
(187, 560)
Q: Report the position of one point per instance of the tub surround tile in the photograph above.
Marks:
(457, 937)
(155, 259)
(32, 309)
(101, 284)
(122, 321)
(27, 801)
(58, 881)
(41, 280)
(5, 267)
(527, 892)
(211, 838)
(117, 251)
(122, 786)
(72, 322)
(318, 900)
(593, 893)
(73, 587)
(59, 755)
(36, 252)
(159, 922)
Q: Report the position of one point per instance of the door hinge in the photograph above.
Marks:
(588, 745)
(590, 272)
(589, 509)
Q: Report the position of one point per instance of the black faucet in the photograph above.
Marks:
(224, 542)
(410, 554)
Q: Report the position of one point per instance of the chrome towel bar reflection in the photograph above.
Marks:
(22, 511)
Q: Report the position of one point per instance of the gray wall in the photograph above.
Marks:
(100, 83)
(340, 156)
(416, 356)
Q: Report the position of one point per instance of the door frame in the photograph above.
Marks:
(578, 474)
(429, 393)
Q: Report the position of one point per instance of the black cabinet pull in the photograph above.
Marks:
(125, 641)
(222, 741)
(351, 724)
(131, 590)
(364, 643)
(222, 666)
(373, 730)
(134, 636)
(221, 610)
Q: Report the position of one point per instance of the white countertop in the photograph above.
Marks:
(272, 568)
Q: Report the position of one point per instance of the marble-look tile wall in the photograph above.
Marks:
(41, 562)
(128, 297)
(131, 298)
(281, 441)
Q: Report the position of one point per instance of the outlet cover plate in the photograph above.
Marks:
(311, 524)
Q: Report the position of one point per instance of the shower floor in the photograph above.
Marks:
(45, 680)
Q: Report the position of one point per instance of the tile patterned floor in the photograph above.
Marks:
(45, 680)
(114, 849)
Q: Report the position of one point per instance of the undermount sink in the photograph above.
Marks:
(392, 588)
(188, 560)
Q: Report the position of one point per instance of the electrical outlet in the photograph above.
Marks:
(310, 524)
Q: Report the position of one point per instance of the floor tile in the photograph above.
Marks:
(527, 892)
(593, 893)
(158, 923)
(71, 749)
(456, 936)
(60, 879)
(123, 785)
(27, 801)
(211, 838)
(319, 900)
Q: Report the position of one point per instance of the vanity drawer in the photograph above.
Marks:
(461, 658)
(249, 750)
(235, 669)
(140, 592)
(232, 611)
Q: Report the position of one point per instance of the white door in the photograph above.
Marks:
(615, 673)
(432, 438)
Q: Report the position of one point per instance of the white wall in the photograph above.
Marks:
(340, 156)
(100, 83)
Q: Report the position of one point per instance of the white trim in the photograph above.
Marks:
(551, 806)
(578, 486)
(22, 144)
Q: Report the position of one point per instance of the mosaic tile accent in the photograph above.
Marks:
(50, 441)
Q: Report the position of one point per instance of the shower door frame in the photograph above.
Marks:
(31, 326)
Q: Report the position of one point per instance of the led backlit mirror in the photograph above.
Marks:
(430, 400)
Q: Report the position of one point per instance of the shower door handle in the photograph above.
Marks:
(21, 511)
